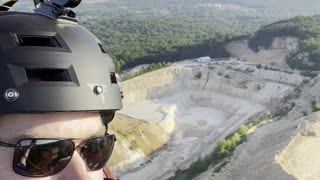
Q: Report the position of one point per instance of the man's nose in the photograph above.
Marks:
(75, 170)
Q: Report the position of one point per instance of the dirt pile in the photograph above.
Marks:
(136, 140)
(301, 157)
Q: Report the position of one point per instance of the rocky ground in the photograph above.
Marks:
(285, 149)
(193, 104)
(198, 104)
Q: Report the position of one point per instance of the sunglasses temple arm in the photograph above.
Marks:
(108, 174)
(4, 144)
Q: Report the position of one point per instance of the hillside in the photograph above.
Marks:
(140, 40)
(286, 149)
(142, 31)
(300, 158)
(200, 103)
(285, 5)
(307, 29)
(292, 43)
(136, 140)
(294, 4)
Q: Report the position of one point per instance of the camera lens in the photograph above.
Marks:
(72, 3)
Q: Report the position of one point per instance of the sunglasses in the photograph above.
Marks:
(46, 157)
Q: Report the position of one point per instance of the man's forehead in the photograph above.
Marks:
(53, 125)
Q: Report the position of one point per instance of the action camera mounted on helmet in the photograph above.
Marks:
(50, 64)
(56, 8)
(50, 8)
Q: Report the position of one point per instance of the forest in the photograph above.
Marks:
(142, 31)
(147, 31)
(137, 40)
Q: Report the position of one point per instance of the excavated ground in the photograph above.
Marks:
(196, 104)
(288, 148)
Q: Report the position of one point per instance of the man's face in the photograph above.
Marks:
(53, 125)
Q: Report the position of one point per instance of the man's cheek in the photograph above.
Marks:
(6, 156)
(96, 175)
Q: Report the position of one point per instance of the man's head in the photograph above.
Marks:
(58, 92)
(52, 125)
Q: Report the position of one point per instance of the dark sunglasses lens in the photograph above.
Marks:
(39, 158)
(98, 152)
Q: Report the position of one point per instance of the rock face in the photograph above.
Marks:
(196, 104)
(275, 56)
(286, 149)
(175, 115)
(136, 139)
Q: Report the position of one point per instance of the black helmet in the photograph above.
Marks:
(53, 65)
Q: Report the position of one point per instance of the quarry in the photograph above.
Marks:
(175, 115)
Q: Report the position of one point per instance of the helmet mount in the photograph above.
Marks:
(50, 8)
(56, 8)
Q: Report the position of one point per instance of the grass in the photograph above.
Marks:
(315, 106)
(133, 145)
(125, 135)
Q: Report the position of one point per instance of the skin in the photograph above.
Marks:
(53, 125)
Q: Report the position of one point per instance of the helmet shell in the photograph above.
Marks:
(53, 65)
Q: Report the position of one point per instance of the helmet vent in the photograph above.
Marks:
(113, 78)
(102, 48)
(45, 41)
(48, 75)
